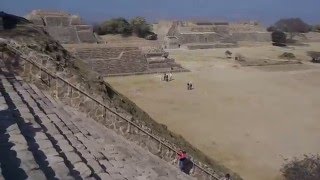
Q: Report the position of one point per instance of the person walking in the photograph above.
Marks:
(189, 85)
(182, 156)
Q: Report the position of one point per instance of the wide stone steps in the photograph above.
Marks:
(56, 153)
(40, 138)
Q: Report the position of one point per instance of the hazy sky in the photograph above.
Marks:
(266, 11)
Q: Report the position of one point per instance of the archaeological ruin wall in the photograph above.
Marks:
(65, 28)
(215, 35)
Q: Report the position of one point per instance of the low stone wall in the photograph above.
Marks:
(198, 38)
(83, 27)
(252, 36)
(102, 52)
(210, 46)
(57, 21)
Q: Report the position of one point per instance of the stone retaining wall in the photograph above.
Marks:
(199, 38)
(57, 21)
(210, 46)
(252, 36)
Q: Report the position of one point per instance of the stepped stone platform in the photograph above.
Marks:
(183, 33)
(63, 27)
(119, 61)
(40, 138)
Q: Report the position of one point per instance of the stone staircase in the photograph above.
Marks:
(40, 138)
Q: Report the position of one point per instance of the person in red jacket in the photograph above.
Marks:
(182, 156)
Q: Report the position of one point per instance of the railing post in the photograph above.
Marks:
(160, 148)
(70, 95)
(129, 127)
(55, 88)
(105, 113)
(49, 80)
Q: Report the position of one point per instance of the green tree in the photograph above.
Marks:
(140, 27)
(279, 38)
(271, 29)
(293, 26)
(115, 26)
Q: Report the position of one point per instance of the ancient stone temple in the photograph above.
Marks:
(202, 35)
(66, 28)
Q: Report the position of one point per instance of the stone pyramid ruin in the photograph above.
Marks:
(64, 27)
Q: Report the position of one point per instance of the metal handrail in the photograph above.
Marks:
(106, 107)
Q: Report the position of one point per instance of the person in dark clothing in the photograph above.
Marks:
(182, 156)
(189, 85)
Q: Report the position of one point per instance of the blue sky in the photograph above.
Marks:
(266, 11)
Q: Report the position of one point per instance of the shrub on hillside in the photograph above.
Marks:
(137, 26)
(315, 56)
(142, 29)
(228, 54)
(287, 55)
(279, 38)
(307, 168)
(151, 36)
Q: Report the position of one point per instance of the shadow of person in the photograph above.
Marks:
(10, 163)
